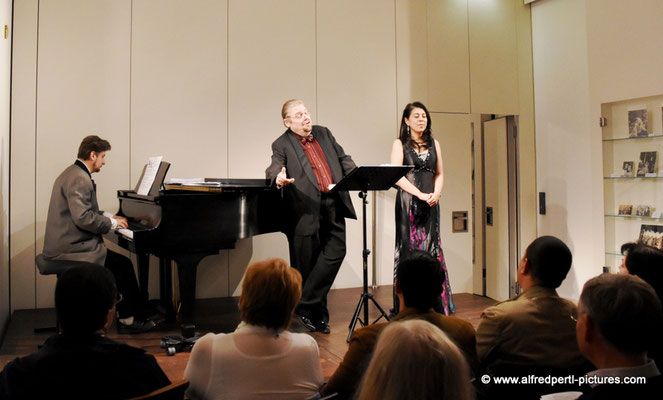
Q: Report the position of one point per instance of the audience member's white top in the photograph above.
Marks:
(254, 363)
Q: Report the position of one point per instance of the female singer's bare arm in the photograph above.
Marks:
(439, 177)
(403, 183)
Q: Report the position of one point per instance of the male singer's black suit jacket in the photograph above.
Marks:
(301, 203)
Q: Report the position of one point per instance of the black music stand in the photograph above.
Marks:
(364, 179)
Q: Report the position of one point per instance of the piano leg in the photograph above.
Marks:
(143, 261)
(166, 288)
(186, 269)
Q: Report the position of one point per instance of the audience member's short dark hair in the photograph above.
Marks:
(83, 296)
(646, 262)
(625, 309)
(420, 278)
(92, 143)
(550, 260)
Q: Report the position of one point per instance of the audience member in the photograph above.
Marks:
(646, 262)
(535, 331)
(260, 359)
(619, 318)
(80, 362)
(419, 282)
(415, 360)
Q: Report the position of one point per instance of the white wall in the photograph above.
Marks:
(202, 84)
(5, 69)
(586, 53)
(565, 170)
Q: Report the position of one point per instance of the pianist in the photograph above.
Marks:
(305, 160)
(74, 227)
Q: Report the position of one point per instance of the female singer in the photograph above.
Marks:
(417, 208)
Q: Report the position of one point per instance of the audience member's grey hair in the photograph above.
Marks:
(625, 309)
(415, 360)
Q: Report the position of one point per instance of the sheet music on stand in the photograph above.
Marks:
(149, 175)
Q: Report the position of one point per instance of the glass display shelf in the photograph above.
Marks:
(632, 177)
(609, 253)
(633, 138)
(633, 217)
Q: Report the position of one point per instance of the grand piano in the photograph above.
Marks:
(187, 223)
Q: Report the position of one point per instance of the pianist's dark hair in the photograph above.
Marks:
(92, 143)
(270, 292)
(83, 296)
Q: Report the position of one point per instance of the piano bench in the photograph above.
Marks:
(53, 267)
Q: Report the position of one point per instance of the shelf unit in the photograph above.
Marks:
(636, 191)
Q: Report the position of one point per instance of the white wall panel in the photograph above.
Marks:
(448, 56)
(179, 100)
(178, 86)
(493, 56)
(5, 97)
(454, 133)
(271, 58)
(22, 174)
(82, 89)
(411, 49)
(565, 164)
(356, 65)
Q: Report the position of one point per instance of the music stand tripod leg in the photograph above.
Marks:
(364, 295)
(355, 318)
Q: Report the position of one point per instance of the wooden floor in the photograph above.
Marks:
(221, 315)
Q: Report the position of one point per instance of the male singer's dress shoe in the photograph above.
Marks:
(136, 327)
(322, 327)
(308, 324)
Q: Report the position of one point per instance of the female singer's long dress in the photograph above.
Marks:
(418, 224)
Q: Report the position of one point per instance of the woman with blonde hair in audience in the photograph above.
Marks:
(414, 359)
(260, 359)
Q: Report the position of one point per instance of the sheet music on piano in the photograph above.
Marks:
(149, 175)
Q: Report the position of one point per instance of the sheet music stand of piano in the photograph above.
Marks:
(186, 226)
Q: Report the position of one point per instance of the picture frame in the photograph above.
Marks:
(643, 210)
(625, 209)
(647, 164)
(651, 235)
(637, 122)
(628, 169)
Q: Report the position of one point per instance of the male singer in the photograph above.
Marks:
(306, 160)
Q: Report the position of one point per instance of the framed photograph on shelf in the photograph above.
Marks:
(647, 163)
(644, 211)
(625, 209)
(637, 121)
(651, 235)
(628, 168)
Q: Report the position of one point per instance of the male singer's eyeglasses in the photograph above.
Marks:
(299, 115)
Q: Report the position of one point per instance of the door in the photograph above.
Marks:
(500, 207)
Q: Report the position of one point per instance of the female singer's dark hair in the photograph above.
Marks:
(404, 133)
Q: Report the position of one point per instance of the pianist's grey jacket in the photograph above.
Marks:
(74, 224)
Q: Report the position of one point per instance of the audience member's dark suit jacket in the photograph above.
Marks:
(347, 376)
(75, 224)
(302, 198)
(90, 367)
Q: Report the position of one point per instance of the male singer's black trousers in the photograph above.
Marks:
(318, 258)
